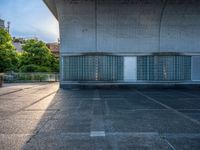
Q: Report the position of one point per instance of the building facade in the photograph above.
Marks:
(55, 48)
(18, 46)
(18, 43)
(128, 41)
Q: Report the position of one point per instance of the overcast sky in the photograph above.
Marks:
(30, 18)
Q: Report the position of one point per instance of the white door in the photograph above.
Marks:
(130, 69)
(195, 68)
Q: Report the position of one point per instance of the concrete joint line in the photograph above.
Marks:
(21, 89)
(188, 109)
(180, 135)
(76, 89)
(42, 126)
(155, 101)
(11, 92)
(24, 108)
(97, 123)
(134, 134)
(96, 99)
(96, 94)
(170, 108)
(75, 134)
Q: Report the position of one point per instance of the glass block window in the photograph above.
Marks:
(110, 68)
(164, 68)
(79, 68)
(93, 68)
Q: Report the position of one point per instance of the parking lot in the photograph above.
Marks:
(42, 116)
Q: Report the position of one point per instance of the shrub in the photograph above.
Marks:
(29, 68)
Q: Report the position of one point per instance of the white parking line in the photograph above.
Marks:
(168, 107)
(97, 133)
(170, 145)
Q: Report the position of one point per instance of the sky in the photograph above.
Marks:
(29, 19)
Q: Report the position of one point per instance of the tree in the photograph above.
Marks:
(37, 57)
(18, 40)
(54, 63)
(8, 56)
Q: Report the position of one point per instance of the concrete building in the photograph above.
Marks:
(2, 23)
(55, 48)
(128, 41)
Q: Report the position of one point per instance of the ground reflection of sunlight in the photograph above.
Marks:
(38, 114)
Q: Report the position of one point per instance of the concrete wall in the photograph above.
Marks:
(180, 26)
(130, 26)
(77, 26)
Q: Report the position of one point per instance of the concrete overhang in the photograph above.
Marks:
(52, 6)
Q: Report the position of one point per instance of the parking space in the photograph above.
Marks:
(46, 117)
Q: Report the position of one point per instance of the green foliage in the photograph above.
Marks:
(35, 52)
(37, 58)
(34, 68)
(54, 63)
(8, 56)
(18, 40)
(29, 68)
(32, 77)
(5, 39)
(43, 69)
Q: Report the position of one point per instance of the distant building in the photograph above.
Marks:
(55, 48)
(2, 23)
(18, 43)
(18, 46)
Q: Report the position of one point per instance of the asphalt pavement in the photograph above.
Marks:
(42, 116)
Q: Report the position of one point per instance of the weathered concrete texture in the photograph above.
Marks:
(128, 26)
(180, 26)
(45, 117)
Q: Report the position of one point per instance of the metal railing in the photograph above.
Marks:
(31, 77)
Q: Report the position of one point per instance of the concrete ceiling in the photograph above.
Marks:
(52, 6)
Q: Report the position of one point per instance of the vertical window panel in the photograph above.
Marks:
(93, 68)
(164, 68)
